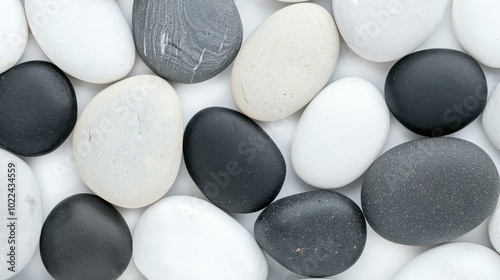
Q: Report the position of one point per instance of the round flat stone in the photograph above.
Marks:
(183, 237)
(90, 40)
(340, 134)
(85, 237)
(21, 215)
(386, 30)
(476, 27)
(232, 160)
(429, 191)
(436, 92)
(127, 142)
(315, 234)
(187, 41)
(491, 118)
(494, 228)
(458, 260)
(37, 108)
(285, 62)
(13, 33)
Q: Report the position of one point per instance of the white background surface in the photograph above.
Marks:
(381, 259)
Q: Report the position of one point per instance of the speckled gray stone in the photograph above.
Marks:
(315, 234)
(429, 191)
(187, 41)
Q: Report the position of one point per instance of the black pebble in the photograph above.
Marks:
(315, 234)
(85, 237)
(429, 191)
(436, 92)
(232, 160)
(37, 108)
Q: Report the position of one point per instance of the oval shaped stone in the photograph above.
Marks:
(285, 62)
(21, 215)
(386, 30)
(183, 237)
(436, 92)
(429, 191)
(187, 42)
(458, 260)
(38, 108)
(85, 237)
(340, 134)
(494, 228)
(90, 40)
(127, 142)
(13, 33)
(475, 24)
(232, 160)
(315, 234)
(491, 118)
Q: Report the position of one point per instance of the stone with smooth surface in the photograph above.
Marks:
(316, 234)
(386, 30)
(187, 41)
(458, 260)
(491, 118)
(38, 108)
(89, 40)
(429, 191)
(436, 92)
(476, 27)
(13, 33)
(340, 134)
(494, 228)
(20, 190)
(127, 142)
(186, 238)
(285, 62)
(232, 160)
(85, 237)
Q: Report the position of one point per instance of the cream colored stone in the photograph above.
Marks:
(13, 33)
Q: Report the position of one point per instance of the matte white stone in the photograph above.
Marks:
(453, 261)
(494, 228)
(13, 33)
(88, 39)
(386, 30)
(491, 117)
(476, 25)
(127, 142)
(24, 234)
(340, 134)
(186, 238)
(285, 62)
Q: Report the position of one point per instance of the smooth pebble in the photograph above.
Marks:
(494, 228)
(476, 27)
(187, 41)
(38, 108)
(22, 200)
(285, 62)
(386, 30)
(315, 234)
(232, 160)
(458, 260)
(127, 142)
(436, 92)
(90, 40)
(340, 134)
(491, 118)
(186, 238)
(13, 33)
(85, 237)
(429, 191)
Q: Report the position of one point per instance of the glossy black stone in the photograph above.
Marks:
(38, 108)
(232, 160)
(436, 92)
(429, 191)
(85, 237)
(315, 234)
